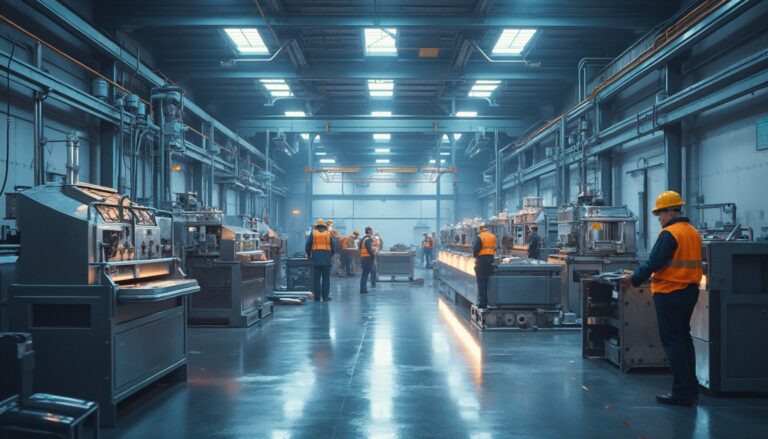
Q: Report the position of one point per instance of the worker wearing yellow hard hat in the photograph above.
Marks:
(348, 247)
(319, 249)
(484, 251)
(675, 269)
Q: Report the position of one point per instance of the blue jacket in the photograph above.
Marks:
(661, 254)
(533, 245)
(319, 257)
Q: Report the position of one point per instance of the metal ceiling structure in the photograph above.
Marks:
(317, 47)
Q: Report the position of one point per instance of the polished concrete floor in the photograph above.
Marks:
(399, 364)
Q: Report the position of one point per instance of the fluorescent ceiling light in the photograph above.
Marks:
(295, 113)
(381, 87)
(328, 161)
(381, 113)
(380, 42)
(381, 150)
(457, 136)
(483, 88)
(277, 88)
(445, 139)
(321, 153)
(382, 161)
(513, 41)
(466, 114)
(305, 136)
(247, 41)
(433, 161)
(382, 137)
(445, 153)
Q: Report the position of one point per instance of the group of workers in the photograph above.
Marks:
(675, 268)
(321, 248)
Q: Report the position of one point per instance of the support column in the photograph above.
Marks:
(437, 187)
(606, 176)
(310, 176)
(673, 134)
(456, 192)
(565, 175)
(38, 123)
(498, 199)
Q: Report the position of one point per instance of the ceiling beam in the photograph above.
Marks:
(369, 124)
(564, 19)
(370, 69)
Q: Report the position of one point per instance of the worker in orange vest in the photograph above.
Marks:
(319, 250)
(347, 245)
(675, 268)
(427, 246)
(484, 251)
(366, 259)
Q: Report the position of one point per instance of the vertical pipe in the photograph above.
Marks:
(37, 124)
(269, 174)
(498, 197)
(310, 176)
(563, 196)
(456, 193)
(437, 186)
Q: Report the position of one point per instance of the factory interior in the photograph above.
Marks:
(383, 219)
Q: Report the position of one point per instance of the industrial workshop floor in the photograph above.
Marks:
(394, 364)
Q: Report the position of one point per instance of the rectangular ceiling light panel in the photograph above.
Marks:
(380, 42)
(466, 114)
(382, 161)
(382, 137)
(512, 42)
(247, 41)
(277, 88)
(381, 113)
(483, 88)
(381, 88)
(295, 113)
(327, 161)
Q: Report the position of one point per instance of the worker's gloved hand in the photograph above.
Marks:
(625, 281)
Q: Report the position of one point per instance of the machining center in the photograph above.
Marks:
(101, 292)
(534, 213)
(236, 278)
(592, 239)
(522, 293)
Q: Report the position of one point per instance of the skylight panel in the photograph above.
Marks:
(305, 136)
(328, 161)
(247, 41)
(445, 153)
(456, 136)
(381, 113)
(380, 42)
(466, 114)
(381, 150)
(433, 161)
(321, 153)
(513, 41)
(382, 137)
(382, 161)
(382, 88)
(445, 139)
(295, 114)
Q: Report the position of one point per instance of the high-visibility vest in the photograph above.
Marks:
(344, 242)
(363, 249)
(321, 240)
(488, 241)
(427, 243)
(351, 242)
(685, 267)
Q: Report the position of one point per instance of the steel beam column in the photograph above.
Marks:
(673, 133)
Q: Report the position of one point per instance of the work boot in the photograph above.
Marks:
(670, 399)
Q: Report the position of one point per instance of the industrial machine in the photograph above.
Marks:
(522, 293)
(729, 324)
(619, 323)
(545, 218)
(298, 271)
(502, 226)
(725, 228)
(398, 261)
(235, 276)
(592, 239)
(98, 287)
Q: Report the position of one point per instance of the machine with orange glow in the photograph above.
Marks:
(522, 293)
(101, 292)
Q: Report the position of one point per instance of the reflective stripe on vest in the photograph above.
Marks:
(685, 267)
(363, 249)
(321, 240)
(488, 241)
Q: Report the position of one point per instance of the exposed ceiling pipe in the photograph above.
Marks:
(524, 62)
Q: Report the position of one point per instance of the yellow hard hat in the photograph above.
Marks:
(357, 232)
(329, 222)
(320, 222)
(668, 199)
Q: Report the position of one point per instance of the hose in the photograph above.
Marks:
(8, 115)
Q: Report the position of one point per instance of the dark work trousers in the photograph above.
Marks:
(346, 262)
(483, 270)
(427, 257)
(367, 263)
(673, 312)
(321, 281)
(374, 270)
